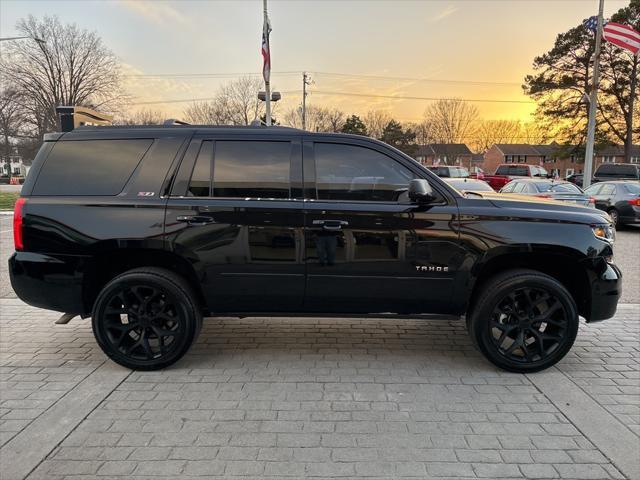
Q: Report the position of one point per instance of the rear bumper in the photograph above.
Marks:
(53, 282)
(606, 288)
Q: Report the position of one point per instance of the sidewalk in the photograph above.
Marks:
(315, 398)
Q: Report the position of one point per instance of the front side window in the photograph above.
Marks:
(251, 169)
(351, 172)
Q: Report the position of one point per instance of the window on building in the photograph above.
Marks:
(635, 159)
(508, 159)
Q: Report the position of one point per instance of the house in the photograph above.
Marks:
(14, 167)
(444, 154)
(559, 160)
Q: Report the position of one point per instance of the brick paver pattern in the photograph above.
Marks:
(316, 398)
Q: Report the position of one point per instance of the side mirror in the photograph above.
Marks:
(420, 191)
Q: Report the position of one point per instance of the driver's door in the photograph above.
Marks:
(368, 249)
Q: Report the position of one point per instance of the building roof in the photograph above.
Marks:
(424, 151)
(450, 149)
(517, 149)
(617, 150)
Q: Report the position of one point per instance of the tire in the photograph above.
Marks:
(523, 321)
(615, 217)
(146, 318)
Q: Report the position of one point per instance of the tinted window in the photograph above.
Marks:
(349, 172)
(90, 167)
(251, 169)
(632, 188)
(513, 170)
(201, 176)
(617, 170)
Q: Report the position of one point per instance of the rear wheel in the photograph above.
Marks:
(146, 319)
(524, 321)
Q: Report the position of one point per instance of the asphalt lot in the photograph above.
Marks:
(626, 251)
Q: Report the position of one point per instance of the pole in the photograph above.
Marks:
(267, 86)
(304, 100)
(593, 104)
(628, 144)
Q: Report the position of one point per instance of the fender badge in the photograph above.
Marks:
(431, 268)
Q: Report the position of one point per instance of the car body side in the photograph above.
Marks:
(442, 252)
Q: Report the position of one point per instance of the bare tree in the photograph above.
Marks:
(71, 67)
(11, 117)
(490, 132)
(319, 119)
(452, 120)
(240, 98)
(143, 117)
(214, 112)
(376, 121)
(423, 131)
(536, 133)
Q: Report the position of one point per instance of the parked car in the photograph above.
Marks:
(576, 179)
(469, 185)
(508, 171)
(617, 171)
(620, 199)
(446, 171)
(164, 225)
(551, 189)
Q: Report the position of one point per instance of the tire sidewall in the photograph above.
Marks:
(485, 307)
(191, 323)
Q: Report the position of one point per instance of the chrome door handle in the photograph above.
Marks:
(195, 220)
(331, 225)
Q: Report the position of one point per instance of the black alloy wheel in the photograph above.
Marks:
(524, 321)
(146, 319)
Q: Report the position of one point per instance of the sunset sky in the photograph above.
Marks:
(471, 49)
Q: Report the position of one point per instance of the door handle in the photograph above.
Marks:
(195, 220)
(331, 225)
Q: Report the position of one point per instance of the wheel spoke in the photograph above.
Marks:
(146, 346)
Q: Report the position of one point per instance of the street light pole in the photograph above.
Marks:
(593, 104)
(305, 82)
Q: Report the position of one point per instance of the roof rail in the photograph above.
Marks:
(72, 117)
(174, 121)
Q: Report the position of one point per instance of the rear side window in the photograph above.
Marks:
(632, 188)
(251, 169)
(90, 167)
(200, 183)
(350, 172)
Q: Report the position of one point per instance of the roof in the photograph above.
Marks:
(617, 150)
(424, 150)
(517, 149)
(450, 149)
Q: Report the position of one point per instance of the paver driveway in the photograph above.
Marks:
(317, 398)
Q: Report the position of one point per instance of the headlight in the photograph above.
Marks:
(604, 232)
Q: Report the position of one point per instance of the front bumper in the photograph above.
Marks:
(53, 282)
(605, 281)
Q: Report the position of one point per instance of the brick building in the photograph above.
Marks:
(445, 154)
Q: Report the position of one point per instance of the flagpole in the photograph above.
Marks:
(593, 104)
(267, 86)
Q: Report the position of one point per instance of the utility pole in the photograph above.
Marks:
(266, 72)
(593, 104)
(305, 81)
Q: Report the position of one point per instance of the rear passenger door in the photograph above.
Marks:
(233, 213)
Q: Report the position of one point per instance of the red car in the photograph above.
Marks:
(508, 171)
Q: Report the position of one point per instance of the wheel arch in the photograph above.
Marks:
(109, 263)
(565, 265)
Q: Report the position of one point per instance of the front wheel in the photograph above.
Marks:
(524, 321)
(613, 213)
(146, 318)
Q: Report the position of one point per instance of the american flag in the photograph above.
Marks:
(591, 23)
(623, 36)
(266, 50)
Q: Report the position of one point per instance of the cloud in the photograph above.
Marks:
(155, 11)
(450, 10)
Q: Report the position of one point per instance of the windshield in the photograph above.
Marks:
(633, 188)
(470, 185)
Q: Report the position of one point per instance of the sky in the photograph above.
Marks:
(361, 54)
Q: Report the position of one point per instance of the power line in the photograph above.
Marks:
(205, 75)
(430, 99)
(417, 79)
(202, 99)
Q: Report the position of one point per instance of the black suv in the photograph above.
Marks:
(147, 230)
(617, 171)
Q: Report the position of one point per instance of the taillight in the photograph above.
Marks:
(635, 202)
(17, 224)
